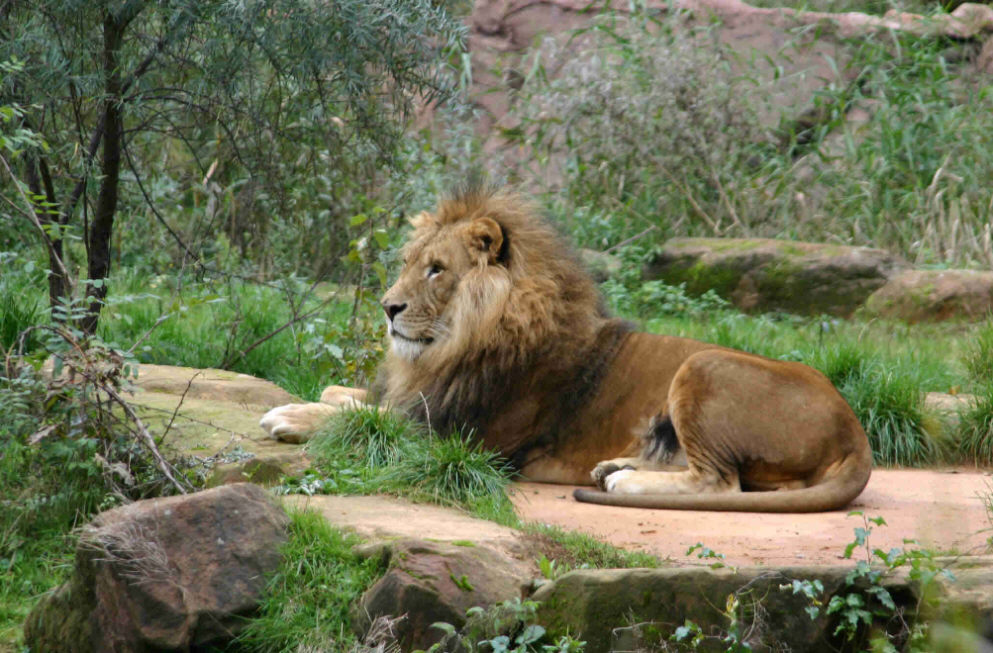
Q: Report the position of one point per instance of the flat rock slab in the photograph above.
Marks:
(943, 510)
(215, 414)
(380, 517)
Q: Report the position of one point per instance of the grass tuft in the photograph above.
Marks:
(575, 550)
(455, 470)
(888, 402)
(976, 428)
(978, 356)
(307, 602)
(369, 451)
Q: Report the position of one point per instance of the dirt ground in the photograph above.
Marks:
(942, 509)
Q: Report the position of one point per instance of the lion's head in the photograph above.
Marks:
(490, 302)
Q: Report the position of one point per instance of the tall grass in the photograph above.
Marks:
(655, 124)
(976, 428)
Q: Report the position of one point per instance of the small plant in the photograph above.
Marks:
(865, 610)
(507, 627)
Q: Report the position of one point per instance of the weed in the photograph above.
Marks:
(507, 627)
(865, 611)
(976, 428)
(306, 603)
(978, 356)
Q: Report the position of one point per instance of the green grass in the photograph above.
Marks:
(307, 601)
(978, 355)
(573, 550)
(976, 428)
(44, 492)
(653, 129)
(367, 451)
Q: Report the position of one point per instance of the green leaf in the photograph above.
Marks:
(382, 238)
(358, 219)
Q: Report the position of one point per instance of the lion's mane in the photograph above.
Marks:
(530, 333)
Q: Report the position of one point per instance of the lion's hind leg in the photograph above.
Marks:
(637, 481)
(657, 449)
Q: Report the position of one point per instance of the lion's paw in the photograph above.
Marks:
(605, 468)
(624, 481)
(296, 423)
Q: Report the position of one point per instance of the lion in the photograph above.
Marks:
(496, 327)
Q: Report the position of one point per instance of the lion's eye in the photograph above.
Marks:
(435, 269)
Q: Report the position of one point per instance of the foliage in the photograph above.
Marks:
(629, 295)
(978, 356)
(866, 612)
(69, 446)
(307, 601)
(210, 107)
(975, 441)
(507, 627)
(645, 106)
(368, 450)
(655, 128)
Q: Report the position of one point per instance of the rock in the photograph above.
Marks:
(214, 414)
(759, 274)
(934, 296)
(376, 518)
(165, 574)
(600, 265)
(430, 582)
(442, 561)
(590, 604)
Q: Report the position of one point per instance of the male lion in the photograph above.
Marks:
(496, 326)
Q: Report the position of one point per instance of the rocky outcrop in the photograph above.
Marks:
(165, 574)
(430, 582)
(633, 609)
(759, 274)
(934, 296)
(441, 562)
(214, 415)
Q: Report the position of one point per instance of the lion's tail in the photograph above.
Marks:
(831, 494)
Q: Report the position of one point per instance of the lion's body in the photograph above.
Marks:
(496, 327)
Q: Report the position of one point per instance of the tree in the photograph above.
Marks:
(113, 87)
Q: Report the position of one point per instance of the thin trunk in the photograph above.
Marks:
(102, 225)
(58, 284)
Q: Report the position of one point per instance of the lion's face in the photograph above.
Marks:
(446, 283)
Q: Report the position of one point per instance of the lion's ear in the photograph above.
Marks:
(486, 237)
(422, 219)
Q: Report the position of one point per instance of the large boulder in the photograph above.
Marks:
(166, 574)
(431, 582)
(934, 296)
(759, 274)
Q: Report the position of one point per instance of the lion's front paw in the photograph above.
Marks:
(605, 468)
(296, 423)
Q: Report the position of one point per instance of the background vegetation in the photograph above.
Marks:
(225, 185)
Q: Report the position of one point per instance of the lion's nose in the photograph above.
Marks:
(392, 310)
